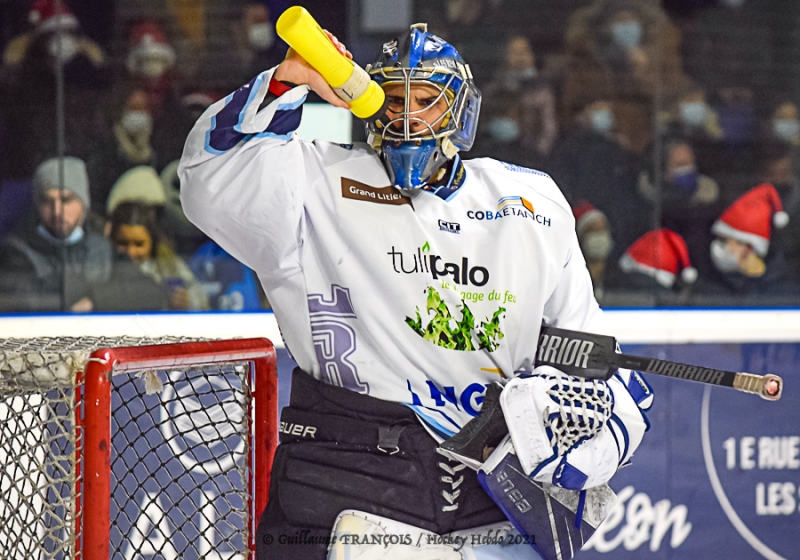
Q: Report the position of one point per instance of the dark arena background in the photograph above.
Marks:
(672, 128)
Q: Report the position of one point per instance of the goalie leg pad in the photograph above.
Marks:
(358, 535)
(544, 513)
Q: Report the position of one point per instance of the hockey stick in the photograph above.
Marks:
(594, 356)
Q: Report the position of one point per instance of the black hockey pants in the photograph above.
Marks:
(342, 450)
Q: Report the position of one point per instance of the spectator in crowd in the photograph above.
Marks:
(151, 68)
(55, 264)
(686, 198)
(594, 237)
(133, 230)
(28, 88)
(501, 138)
(230, 285)
(143, 185)
(741, 251)
(127, 145)
(693, 118)
(258, 46)
(784, 125)
(657, 263)
(625, 50)
(521, 105)
(780, 171)
(591, 163)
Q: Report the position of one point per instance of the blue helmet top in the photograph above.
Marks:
(419, 57)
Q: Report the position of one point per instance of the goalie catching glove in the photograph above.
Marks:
(572, 432)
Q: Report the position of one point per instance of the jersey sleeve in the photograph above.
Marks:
(572, 304)
(244, 175)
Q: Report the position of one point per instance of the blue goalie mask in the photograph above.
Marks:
(412, 144)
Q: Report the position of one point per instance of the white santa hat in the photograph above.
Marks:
(49, 15)
(661, 254)
(751, 217)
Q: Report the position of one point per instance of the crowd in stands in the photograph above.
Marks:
(102, 229)
(672, 128)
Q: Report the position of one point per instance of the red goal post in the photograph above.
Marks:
(85, 531)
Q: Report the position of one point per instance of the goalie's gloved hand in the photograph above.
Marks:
(570, 431)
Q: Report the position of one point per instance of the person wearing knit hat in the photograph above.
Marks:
(62, 214)
(140, 184)
(744, 230)
(661, 255)
(54, 264)
(594, 237)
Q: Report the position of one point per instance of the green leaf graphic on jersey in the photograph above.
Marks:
(445, 331)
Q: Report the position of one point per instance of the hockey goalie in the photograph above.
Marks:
(410, 286)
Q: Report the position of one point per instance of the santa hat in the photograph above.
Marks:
(200, 99)
(661, 254)
(147, 40)
(585, 215)
(751, 217)
(49, 15)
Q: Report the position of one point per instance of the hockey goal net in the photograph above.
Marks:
(134, 448)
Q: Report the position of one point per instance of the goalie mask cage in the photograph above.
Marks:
(129, 448)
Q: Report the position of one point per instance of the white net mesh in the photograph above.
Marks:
(178, 473)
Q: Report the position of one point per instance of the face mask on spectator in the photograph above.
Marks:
(504, 129)
(723, 259)
(602, 120)
(786, 129)
(627, 34)
(153, 67)
(63, 47)
(693, 113)
(685, 178)
(135, 122)
(527, 74)
(597, 245)
(261, 36)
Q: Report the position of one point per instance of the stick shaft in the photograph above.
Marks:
(709, 376)
(767, 386)
(594, 356)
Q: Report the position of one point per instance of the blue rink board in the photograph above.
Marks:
(671, 510)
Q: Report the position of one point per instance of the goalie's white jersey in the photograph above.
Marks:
(421, 299)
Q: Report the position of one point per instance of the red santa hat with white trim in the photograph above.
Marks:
(49, 15)
(661, 254)
(585, 215)
(751, 217)
(147, 40)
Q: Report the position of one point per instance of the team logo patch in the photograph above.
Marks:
(354, 190)
(510, 201)
(510, 206)
(450, 227)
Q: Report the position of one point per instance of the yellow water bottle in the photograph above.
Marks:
(350, 82)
